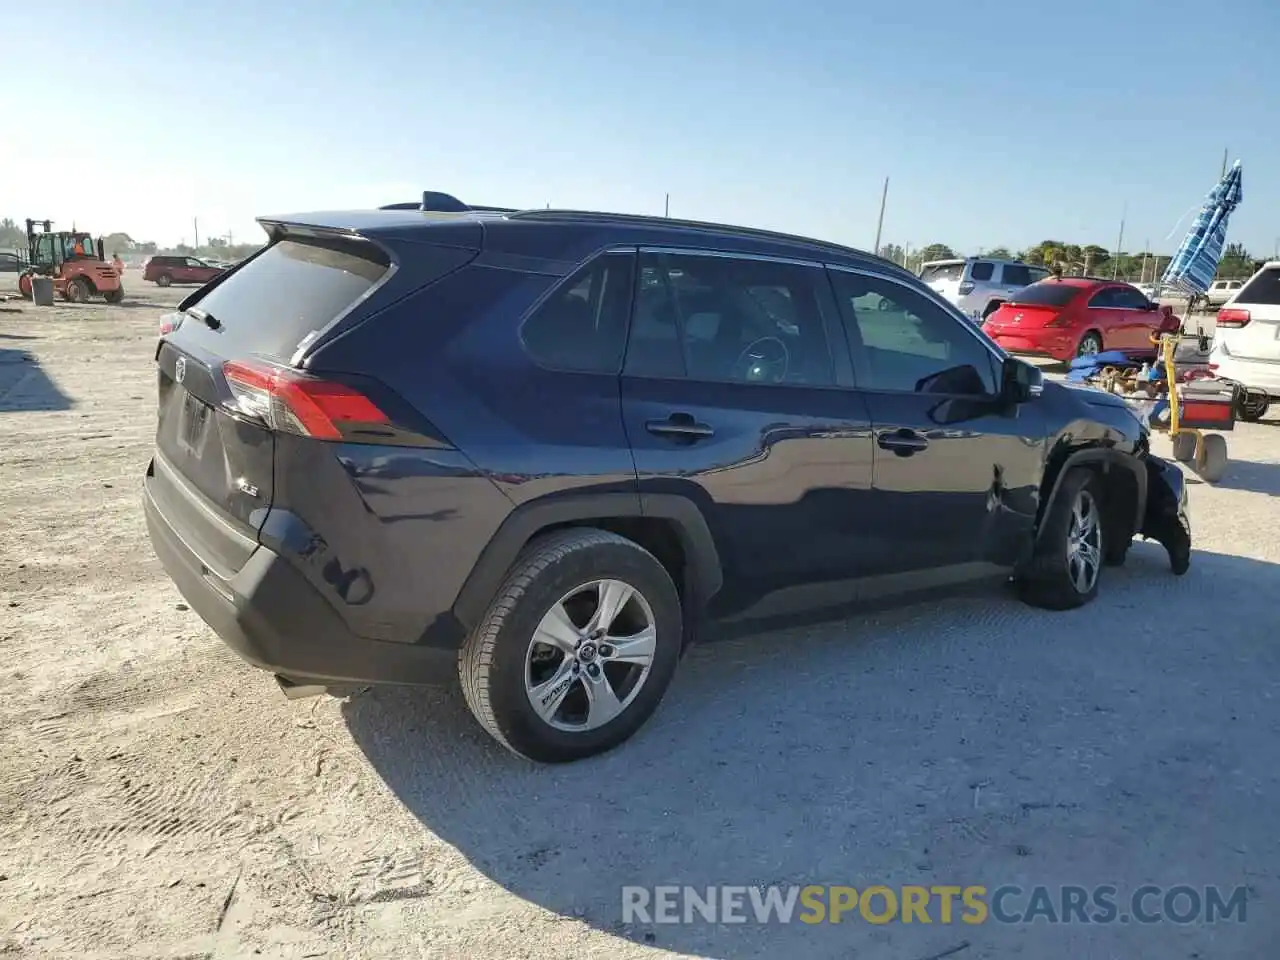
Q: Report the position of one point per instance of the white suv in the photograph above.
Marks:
(1220, 291)
(976, 285)
(1246, 341)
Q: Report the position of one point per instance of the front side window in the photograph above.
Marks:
(728, 319)
(582, 326)
(1130, 298)
(902, 341)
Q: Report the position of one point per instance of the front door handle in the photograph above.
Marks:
(903, 442)
(681, 427)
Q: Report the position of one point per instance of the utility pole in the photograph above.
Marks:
(195, 222)
(1224, 162)
(1115, 260)
(884, 195)
(666, 206)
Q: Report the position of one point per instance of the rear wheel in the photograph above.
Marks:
(577, 648)
(24, 286)
(1090, 344)
(1211, 464)
(1067, 564)
(1184, 447)
(164, 280)
(78, 290)
(114, 296)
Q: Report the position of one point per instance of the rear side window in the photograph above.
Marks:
(582, 326)
(292, 290)
(1049, 293)
(1015, 275)
(1104, 298)
(941, 271)
(1263, 288)
(981, 271)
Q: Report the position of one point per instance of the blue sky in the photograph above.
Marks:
(999, 122)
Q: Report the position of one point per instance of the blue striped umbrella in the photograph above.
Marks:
(1193, 267)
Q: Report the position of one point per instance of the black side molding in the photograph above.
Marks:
(530, 519)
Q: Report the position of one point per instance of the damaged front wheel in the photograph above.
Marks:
(1067, 564)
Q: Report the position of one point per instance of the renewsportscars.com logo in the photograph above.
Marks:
(943, 904)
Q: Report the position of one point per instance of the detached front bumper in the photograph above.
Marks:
(1166, 519)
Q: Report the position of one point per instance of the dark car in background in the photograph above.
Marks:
(167, 270)
(539, 451)
(12, 262)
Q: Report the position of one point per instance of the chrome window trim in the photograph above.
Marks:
(993, 348)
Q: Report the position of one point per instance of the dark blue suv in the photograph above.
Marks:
(543, 448)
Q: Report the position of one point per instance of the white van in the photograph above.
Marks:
(1246, 340)
(978, 285)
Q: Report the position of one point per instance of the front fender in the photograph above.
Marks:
(1166, 519)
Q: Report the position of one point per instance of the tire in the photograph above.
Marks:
(1090, 344)
(114, 296)
(1056, 576)
(1184, 447)
(26, 287)
(78, 290)
(1212, 462)
(502, 667)
(1251, 406)
(164, 280)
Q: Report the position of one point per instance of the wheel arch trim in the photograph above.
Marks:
(530, 519)
(1108, 458)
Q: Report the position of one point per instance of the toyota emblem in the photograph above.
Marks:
(180, 369)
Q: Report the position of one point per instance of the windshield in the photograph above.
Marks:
(1046, 293)
(933, 272)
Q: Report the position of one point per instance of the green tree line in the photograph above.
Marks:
(1089, 259)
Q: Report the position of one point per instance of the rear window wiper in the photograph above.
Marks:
(204, 316)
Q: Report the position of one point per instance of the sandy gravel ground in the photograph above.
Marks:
(158, 798)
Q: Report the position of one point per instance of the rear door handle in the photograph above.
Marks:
(680, 426)
(903, 442)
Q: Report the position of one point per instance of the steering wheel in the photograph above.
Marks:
(763, 361)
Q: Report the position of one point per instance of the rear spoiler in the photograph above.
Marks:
(435, 202)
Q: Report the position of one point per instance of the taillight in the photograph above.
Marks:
(966, 288)
(294, 402)
(170, 322)
(1061, 320)
(1232, 318)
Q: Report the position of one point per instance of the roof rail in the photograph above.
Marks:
(639, 218)
(434, 201)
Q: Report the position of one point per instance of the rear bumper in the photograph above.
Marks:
(272, 617)
(1061, 347)
(1254, 374)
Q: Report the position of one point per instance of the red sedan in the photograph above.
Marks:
(1076, 317)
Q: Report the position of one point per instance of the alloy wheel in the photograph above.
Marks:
(590, 655)
(1084, 543)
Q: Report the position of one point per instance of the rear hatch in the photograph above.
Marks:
(944, 277)
(229, 379)
(1034, 307)
(1249, 325)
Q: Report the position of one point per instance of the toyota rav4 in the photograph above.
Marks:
(539, 450)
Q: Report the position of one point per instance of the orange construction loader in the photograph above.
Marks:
(73, 260)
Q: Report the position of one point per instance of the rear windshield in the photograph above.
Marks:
(942, 271)
(1046, 293)
(1264, 288)
(291, 290)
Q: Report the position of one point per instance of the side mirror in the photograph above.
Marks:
(1020, 381)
